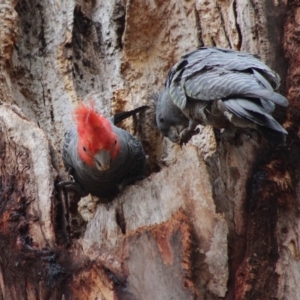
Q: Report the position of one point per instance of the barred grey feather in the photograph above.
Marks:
(249, 110)
(231, 60)
(208, 75)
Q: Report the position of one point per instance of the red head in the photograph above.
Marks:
(96, 137)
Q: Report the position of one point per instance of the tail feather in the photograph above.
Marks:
(269, 106)
(118, 117)
(268, 95)
(254, 113)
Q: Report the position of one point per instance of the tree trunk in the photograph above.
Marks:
(213, 220)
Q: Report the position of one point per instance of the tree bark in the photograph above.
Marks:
(212, 220)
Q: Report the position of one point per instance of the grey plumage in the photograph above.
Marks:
(219, 87)
(126, 168)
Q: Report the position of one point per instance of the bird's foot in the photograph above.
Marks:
(74, 187)
(186, 134)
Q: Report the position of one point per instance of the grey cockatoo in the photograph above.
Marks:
(219, 87)
(101, 157)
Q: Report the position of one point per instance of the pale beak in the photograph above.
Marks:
(102, 160)
(173, 134)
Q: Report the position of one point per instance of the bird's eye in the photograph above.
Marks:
(115, 142)
(161, 120)
(83, 148)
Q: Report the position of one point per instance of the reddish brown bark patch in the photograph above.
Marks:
(157, 260)
(92, 283)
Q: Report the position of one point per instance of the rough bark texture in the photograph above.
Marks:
(213, 220)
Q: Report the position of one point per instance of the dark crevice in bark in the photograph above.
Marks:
(261, 254)
(41, 35)
(199, 268)
(62, 219)
(82, 29)
(234, 7)
(199, 29)
(43, 94)
(52, 113)
(31, 26)
(118, 17)
(261, 230)
(118, 282)
(120, 219)
(88, 49)
(85, 32)
(76, 222)
(213, 43)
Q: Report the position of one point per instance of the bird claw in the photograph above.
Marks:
(187, 134)
(72, 186)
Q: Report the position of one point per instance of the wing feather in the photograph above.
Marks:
(253, 112)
